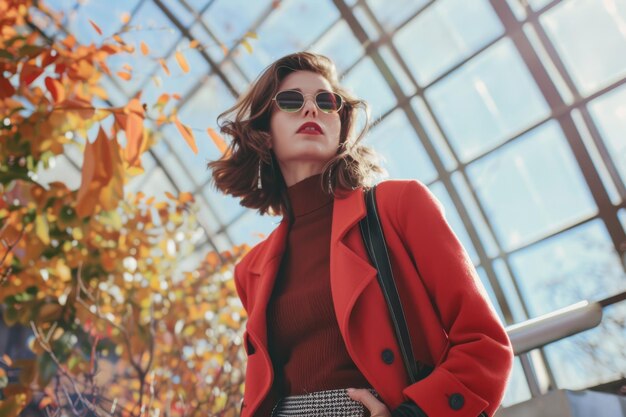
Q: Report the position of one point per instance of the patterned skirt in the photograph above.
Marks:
(331, 403)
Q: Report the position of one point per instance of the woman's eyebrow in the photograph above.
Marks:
(300, 90)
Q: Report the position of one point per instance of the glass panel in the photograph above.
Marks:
(408, 87)
(538, 4)
(252, 228)
(597, 159)
(621, 215)
(179, 11)
(510, 293)
(224, 206)
(531, 187)
(174, 168)
(208, 43)
(434, 134)
(576, 28)
(395, 139)
(444, 34)
(199, 113)
(367, 24)
(368, 83)
(576, 265)
(609, 114)
(489, 244)
(487, 101)
(340, 45)
(517, 390)
(292, 27)
(391, 13)
(59, 169)
(178, 82)
(233, 18)
(453, 218)
(151, 26)
(107, 15)
(518, 9)
(489, 290)
(206, 216)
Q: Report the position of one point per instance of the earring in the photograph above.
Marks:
(330, 173)
(259, 183)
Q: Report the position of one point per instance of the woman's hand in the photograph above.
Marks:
(376, 408)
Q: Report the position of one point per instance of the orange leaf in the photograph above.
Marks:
(170, 195)
(218, 140)
(164, 66)
(182, 62)
(105, 67)
(144, 48)
(127, 68)
(176, 96)
(96, 27)
(83, 107)
(163, 99)
(102, 176)
(119, 39)
(69, 41)
(187, 135)
(224, 48)
(185, 197)
(7, 360)
(124, 75)
(125, 18)
(193, 43)
(56, 89)
(135, 143)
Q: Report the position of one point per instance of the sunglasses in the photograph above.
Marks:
(292, 101)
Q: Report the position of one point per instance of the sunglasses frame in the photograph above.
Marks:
(304, 97)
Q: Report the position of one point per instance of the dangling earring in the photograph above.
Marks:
(330, 174)
(259, 183)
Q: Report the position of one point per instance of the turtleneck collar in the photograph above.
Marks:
(307, 196)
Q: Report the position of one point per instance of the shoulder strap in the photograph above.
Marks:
(374, 240)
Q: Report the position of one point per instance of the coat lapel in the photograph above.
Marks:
(350, 269)
(264, 272)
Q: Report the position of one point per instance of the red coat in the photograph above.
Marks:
(452, 325)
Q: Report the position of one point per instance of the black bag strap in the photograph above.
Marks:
(374, 240)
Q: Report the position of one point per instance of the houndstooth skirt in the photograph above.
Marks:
(331, 403)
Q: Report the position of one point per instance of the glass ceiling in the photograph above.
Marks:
(512, 112)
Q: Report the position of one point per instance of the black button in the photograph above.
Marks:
(388, 356)
(456, 401)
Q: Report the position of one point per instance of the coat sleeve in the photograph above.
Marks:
(472, 376)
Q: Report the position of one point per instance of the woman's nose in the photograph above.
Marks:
(309, 106)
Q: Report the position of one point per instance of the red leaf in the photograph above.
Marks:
(96, 27)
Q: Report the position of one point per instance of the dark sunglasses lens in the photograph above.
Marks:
(328, 102)
(290, 101)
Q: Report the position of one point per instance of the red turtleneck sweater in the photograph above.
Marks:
(305, 344)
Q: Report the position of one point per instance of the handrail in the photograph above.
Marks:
(540, 331)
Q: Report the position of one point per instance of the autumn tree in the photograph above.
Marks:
(116, 328)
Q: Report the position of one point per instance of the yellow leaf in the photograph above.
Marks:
(187, 135)
(182, 62)
(96, 27)
(252, 35)
(218, 140)
(41, 229)
(247, 45)
(144, 48)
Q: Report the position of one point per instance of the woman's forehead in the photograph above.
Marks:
(306, 81)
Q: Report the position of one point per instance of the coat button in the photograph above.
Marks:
(387, 356)
(456, 401)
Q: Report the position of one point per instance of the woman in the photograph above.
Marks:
(319, 336)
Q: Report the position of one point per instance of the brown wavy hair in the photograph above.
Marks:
(248, 124)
